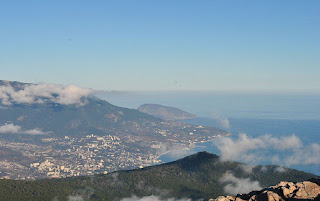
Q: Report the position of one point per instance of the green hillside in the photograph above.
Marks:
(196, 176)
(96, 116)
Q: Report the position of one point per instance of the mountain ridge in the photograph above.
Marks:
(65, 126)
(93, 116)
(196, 177)
(165, 112)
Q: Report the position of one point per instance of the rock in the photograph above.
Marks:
(273, 196)
(284, 191)
(227, 198)
(301, 190)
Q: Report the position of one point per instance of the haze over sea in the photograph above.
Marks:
(280, 115)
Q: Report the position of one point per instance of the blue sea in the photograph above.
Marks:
(278, 114)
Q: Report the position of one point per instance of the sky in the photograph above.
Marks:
(145, 45)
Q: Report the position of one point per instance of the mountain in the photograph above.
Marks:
(199, 176)
(165, 112)
(95, 116)
(88, 115)
(306, 190)
(64, 131)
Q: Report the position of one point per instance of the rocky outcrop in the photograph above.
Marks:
(284, 191)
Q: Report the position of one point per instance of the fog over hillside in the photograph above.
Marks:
(40, 93)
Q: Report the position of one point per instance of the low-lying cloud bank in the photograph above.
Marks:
(41, 93)
(152, 198)
(267, 148)
(238, 185)
(15, 129)
(75, 198)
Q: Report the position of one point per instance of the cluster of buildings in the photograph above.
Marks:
(88, 155)
(56, 157)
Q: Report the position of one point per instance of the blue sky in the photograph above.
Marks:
(163, 45)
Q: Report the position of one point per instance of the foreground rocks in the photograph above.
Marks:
(284, 191)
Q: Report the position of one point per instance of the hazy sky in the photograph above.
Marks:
(162, 45)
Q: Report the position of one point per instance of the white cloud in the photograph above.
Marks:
(222, 120)
(153, 198)
(247, 168)
(10, 128)
(15, 129)
(233, 149)
(283, 143)
(75, 198)
(263, 168)
(174, 150)
(267, 148)
(238, 185)
(35, 131)
(280, 169)
(306, 156)
(43, 92)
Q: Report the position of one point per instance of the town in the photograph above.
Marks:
(55, 157)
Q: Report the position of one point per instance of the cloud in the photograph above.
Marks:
(35, 131)
(267, 148)
(222, 120)
(11, 128)
(263, 168)
(156, 194)
(75, 198)
(225, 123)
(233, 149)
(305, 156)
(41, 93)
(174, 150)
(284, 143)
(238, 185)
(280, 169)
(247, 168)
(153, 198)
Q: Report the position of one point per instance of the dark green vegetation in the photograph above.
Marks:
(196, 176)
(165, 112)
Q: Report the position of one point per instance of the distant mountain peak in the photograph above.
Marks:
(201, 155)
(195, 161)
(165, 112)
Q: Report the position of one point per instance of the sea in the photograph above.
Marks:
(278, 114)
